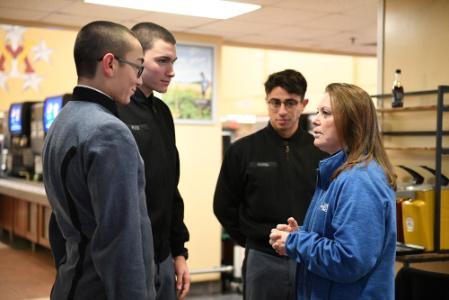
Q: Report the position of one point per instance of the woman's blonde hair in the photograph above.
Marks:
(357, 128)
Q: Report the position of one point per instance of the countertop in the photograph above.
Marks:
(24, 189)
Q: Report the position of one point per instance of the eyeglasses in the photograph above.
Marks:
(275, 104)
(138, 67)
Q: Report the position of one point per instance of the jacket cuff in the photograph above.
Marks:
(181, 252)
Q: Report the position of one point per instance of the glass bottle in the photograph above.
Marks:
(398, 91)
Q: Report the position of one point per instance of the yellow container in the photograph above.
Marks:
(444, 225)
(418, 218)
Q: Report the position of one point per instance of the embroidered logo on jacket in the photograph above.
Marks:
(324, 207)
(263, 164)
(137, 127)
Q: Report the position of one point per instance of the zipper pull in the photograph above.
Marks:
(287, 148)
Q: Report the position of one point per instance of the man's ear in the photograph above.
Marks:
(107, 65)
(305, 102)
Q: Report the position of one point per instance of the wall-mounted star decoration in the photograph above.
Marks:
(41, 52)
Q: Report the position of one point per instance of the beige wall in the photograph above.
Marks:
(244, 70)
(416, 40)
(200, 154)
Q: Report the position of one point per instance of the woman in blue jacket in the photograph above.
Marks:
(346, 247)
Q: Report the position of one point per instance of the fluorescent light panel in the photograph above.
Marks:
(215, 9)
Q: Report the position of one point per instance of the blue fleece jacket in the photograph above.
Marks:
(346, 246)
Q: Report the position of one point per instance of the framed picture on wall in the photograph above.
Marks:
(191, 93)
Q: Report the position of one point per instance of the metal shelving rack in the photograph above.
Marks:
(439, 133)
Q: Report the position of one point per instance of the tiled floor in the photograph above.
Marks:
(28, 275)
(25, 274)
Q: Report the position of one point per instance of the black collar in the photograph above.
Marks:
(140, 97)
(81, 93)
(299, 133)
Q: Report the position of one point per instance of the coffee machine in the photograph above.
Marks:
(20, 160)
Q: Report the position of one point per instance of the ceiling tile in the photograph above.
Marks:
(68, 19)
(233, 27)
(25, 14)
(330, 6)
(367, 35)
(300, 32)
(171, 20)
(100, 11)
(352, 42)
(44, 6)
(367, 8)
(275, 15)
(367, 13)
(276, 41)
(337, 21)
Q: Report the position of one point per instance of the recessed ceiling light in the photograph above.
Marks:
(215, 9)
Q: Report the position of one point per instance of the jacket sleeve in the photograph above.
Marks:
(179, 234)
(358, 232)
(229, 194)
(57, 241)
(111, 165)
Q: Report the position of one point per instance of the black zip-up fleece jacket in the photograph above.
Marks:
(151, 123)
(265, 179)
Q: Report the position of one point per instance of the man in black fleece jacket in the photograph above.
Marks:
(265, 178)
(151, 123)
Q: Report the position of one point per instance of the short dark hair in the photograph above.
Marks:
(96, 39)
(290, 80)
(148, 33)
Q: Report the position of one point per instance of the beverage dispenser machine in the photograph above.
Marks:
(52, 107)
(37, 138)
(20, 159)
(43, 115)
